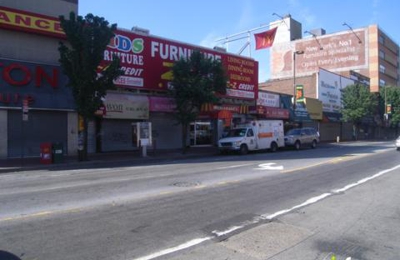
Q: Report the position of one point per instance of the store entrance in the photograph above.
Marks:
(201, 133)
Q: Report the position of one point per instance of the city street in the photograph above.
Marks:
(340, 200)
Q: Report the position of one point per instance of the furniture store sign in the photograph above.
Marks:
(147, 62)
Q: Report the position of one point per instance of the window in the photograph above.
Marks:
(381, 39)
(382, 83)
(381, 54)
(382, 68)
(250, 133)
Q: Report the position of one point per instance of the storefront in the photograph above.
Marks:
(36, 107)
(166, 133)
(117, 128)
(219, 118)
(146, 61)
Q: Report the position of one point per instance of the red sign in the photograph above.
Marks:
(147, 61)
(270, 112)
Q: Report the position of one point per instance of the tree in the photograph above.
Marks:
(87, 39)
(390, 95)
(197, 80)
(358, 102)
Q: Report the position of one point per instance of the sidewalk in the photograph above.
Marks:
(115, 159)
(105, 159)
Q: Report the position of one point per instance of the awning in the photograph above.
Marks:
(331, 117)
(270, 112)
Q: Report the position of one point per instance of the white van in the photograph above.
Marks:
(255, 135)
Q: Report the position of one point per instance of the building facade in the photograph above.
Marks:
(36, 106)
(365, 55)
(368, 51)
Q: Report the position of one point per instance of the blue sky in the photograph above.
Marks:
(202, 22)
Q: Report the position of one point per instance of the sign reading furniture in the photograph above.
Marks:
(147, 61)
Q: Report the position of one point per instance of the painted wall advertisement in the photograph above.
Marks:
(147, 61)
(341, 51)
(329, 90)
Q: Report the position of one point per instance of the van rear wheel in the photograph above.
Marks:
(243, 149)
(274, 147)
(297, 145)
(314, 144)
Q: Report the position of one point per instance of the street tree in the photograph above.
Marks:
(358, 102)
(80, 57)
(389, 103)
(197, 80)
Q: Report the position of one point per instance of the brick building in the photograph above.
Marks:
(364, 54)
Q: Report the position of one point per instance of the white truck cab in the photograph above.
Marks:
(255, 135)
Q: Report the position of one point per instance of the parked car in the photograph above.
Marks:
(300, 137)
(397, 144)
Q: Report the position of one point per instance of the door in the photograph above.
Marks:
(251, 139)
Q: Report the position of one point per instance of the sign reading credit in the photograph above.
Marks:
(147, 61)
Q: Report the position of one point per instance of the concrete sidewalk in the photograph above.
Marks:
(106, 159)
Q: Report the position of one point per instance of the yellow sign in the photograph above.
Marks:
(314, 108)
(30, 22)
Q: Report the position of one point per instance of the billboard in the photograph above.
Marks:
(335, 52)
(147, 61)
(329, 90)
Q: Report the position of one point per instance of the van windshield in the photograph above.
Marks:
(237, 132)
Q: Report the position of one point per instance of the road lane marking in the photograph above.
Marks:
(233, 166)
(170, 250)
(266, 216)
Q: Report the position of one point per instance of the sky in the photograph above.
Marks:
(203, 22)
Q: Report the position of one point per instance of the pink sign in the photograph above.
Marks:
(161, 104)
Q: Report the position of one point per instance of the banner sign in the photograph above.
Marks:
(43, 86)
(162, 104)
(30, 22)
(147, 61)
(268, 99)
(123, 106)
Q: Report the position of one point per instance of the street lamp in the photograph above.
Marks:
(294, 77)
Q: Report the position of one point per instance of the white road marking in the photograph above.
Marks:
(269, 166)
(256, 220)
(175, 249)
(233, 166)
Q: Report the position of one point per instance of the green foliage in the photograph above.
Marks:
(196, 81)
(80, 60)
(358, 102)
(87, 39)
(392, 95)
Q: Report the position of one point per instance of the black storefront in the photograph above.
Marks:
(48, 101)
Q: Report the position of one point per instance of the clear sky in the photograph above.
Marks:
(203, 22)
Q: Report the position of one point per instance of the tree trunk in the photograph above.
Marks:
(85, 140)
(184, 137)
(355, 132)
(82, 140)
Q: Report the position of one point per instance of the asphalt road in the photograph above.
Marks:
(133, 212)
